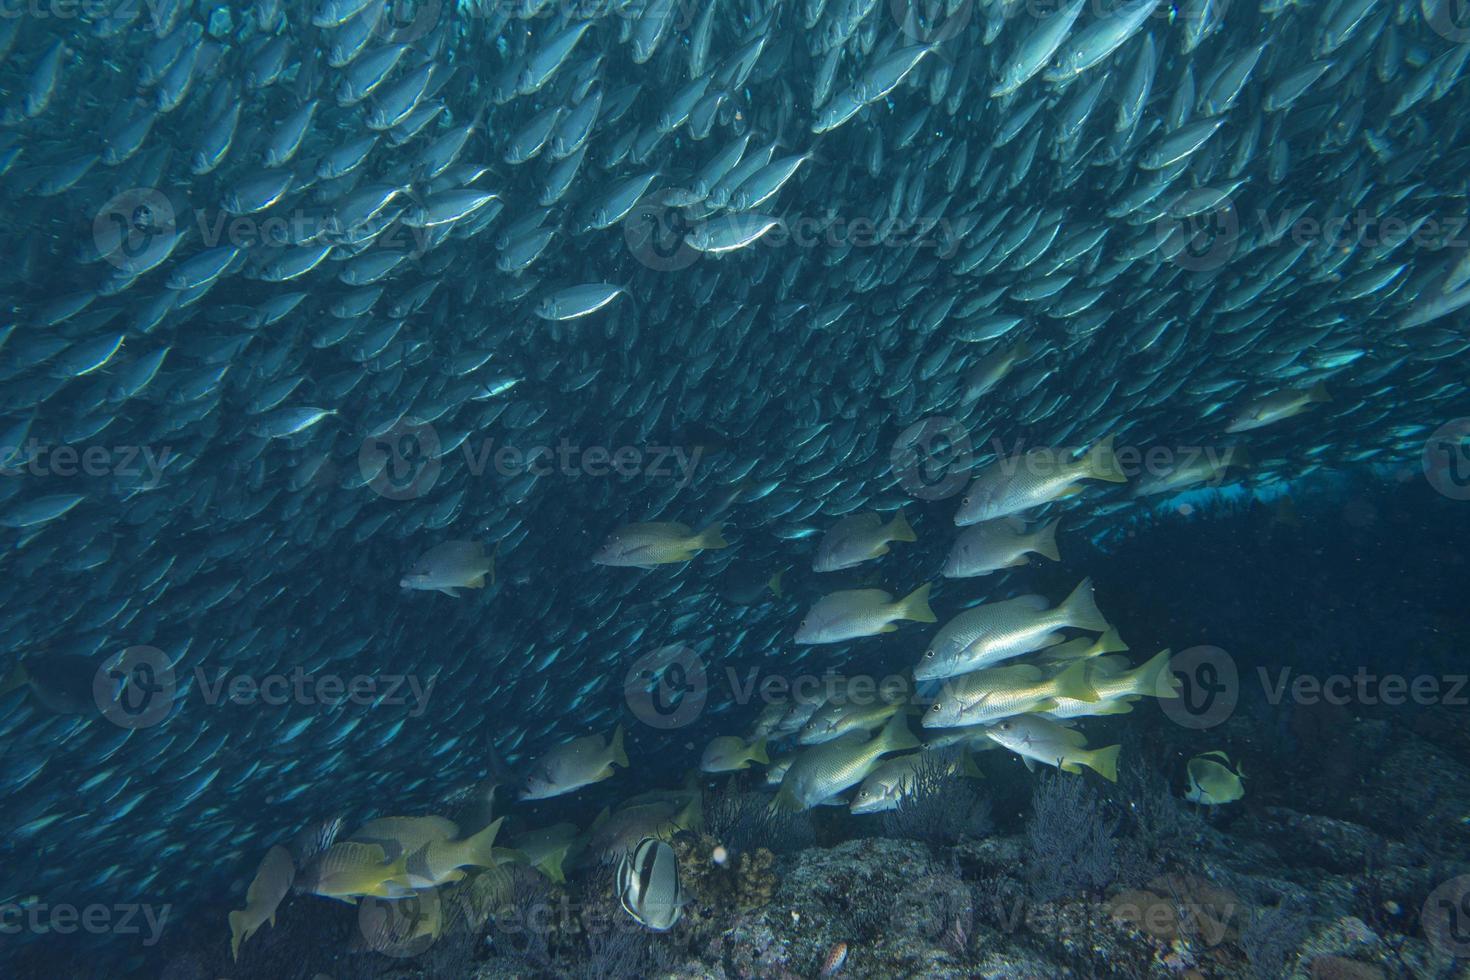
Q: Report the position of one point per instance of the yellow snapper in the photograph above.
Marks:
(998, 631)
(449, 567)
(821, 772)
(1037, 739)
(730, 753)
(272, 882)
(862, 537)
(1017, 483)
(572, 765)
(855, 613)
(1277, 406)
(892, 779)
(992, 545)
(660, 543)
(1001, 692)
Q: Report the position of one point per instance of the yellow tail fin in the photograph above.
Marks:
(896, 735)
(478, 849)
(899, 529)
(615, 748)
(1072, 683)
(915, 606)
(1109, 642)
(711, 537)
(1081, 609)
(1154, 679)
(774, 582)
(758, 753)
(1104, 762)
(238, 934)
(1044, 542)
(1102, 464)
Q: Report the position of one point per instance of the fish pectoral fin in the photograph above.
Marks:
(478, 582)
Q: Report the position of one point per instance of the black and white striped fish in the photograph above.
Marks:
(648, 884)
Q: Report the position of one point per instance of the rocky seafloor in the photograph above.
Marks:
(1348, 859)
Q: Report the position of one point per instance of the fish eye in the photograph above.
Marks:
(965, 500)
(929, 654)
(934, 706)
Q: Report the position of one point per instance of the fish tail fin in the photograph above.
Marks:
(915, 606)
(1102, 463)
(1081, 609)
(1104, 762)
(1045, 542)
(896, 735)
(615, 748)
(551, 866)
(1319, 393)
(1072, 683)
(899, 528)
(711, 537)
(968, 769)
(1154, 678)
(238, 933)
(758, 753)
(1109, 642)
(785, 801)
(479, 850)
(774, 582)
